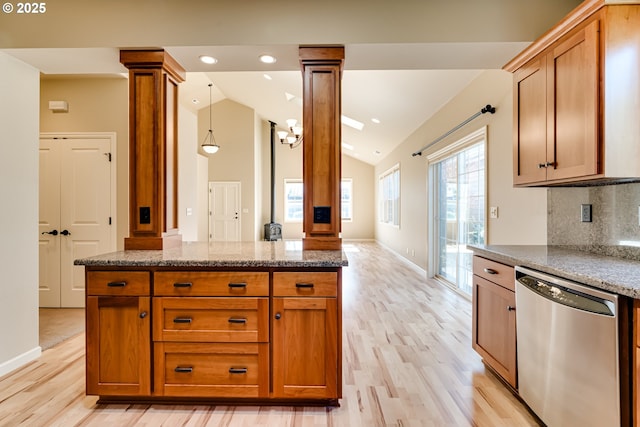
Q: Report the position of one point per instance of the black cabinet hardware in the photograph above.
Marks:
(182, 285)
(117, 284)
(304, 285)
(237, 285)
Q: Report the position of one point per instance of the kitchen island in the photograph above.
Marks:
(236, 322)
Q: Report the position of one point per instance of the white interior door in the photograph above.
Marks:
(49, 224)
(83, 201)
(224, 211)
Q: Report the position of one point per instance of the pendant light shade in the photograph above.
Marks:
(209, 144)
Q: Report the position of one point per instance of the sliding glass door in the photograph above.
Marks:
(459, 211)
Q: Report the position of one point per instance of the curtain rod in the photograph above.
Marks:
(487, 109)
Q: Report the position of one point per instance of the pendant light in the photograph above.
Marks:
(209, 145)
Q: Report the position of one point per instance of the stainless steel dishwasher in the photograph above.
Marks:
(568, 364)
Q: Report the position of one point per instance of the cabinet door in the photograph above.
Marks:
(572, 105)
(118, 346)
(305, 348)
(530, 122)
(494, 327)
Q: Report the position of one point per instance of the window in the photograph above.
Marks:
(346, 200)
(293, 208)
(458, 188)
(389, 195)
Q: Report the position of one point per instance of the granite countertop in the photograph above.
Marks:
(264, 254)
(613, 274)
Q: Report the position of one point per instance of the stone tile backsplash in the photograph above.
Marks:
(614, 229)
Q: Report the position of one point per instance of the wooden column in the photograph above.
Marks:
(153, 149)
(321, 165)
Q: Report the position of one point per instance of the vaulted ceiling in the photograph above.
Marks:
(404, 59)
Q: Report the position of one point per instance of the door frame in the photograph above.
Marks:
(113, 163)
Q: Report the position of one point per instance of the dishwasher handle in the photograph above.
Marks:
(568, 297)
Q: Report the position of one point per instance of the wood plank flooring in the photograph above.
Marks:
(407, 362)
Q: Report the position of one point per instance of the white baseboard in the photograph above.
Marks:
(407, 261)
(19, 361)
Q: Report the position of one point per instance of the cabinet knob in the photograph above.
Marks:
(143, 314)
(510, 308)
(278, 316)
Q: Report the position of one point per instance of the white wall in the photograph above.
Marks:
(191, 189)
(522, 212)
(20, 94)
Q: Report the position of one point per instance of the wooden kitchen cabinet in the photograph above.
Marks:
(164, 334)
(575, 99)
(118, 333)
(494, 317)
(556, 118)
(306, 336)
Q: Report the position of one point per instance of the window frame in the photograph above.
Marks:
(390, 216)
(287, 202)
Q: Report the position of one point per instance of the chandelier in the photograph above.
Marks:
(293, 136)
(209, 144)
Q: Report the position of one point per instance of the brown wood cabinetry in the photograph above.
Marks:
(266, 335)
(494, 317)
(305, 332)
(118, 332)
(572, 121)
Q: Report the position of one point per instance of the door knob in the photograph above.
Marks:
(65, 233)
(52, 232)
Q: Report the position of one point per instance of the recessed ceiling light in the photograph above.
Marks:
(195, 101)
(267, 59)
(377, 152)
(208, 59)
(267, 76)
(347, 146)
(374, 120)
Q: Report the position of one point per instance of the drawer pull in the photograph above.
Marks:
(510, 308)
(237, 285)
(304, 285)
(237, 320)
(490, 271)
(184, 369)
(182, 285)
(237, 370)
(182, 320)
(117, 284)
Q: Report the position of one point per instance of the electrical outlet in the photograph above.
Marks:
(585, 213)
(493, 212)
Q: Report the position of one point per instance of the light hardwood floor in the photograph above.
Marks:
(407, 362)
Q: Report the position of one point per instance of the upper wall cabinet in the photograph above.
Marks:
(576, 99)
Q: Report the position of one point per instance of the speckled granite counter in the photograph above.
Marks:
(618, 275)
(228, 254)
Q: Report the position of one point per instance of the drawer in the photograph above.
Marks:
(211, 283)
(201, 319)
(118, 283)
(311, 284)
(495, 272)
(211, 370)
